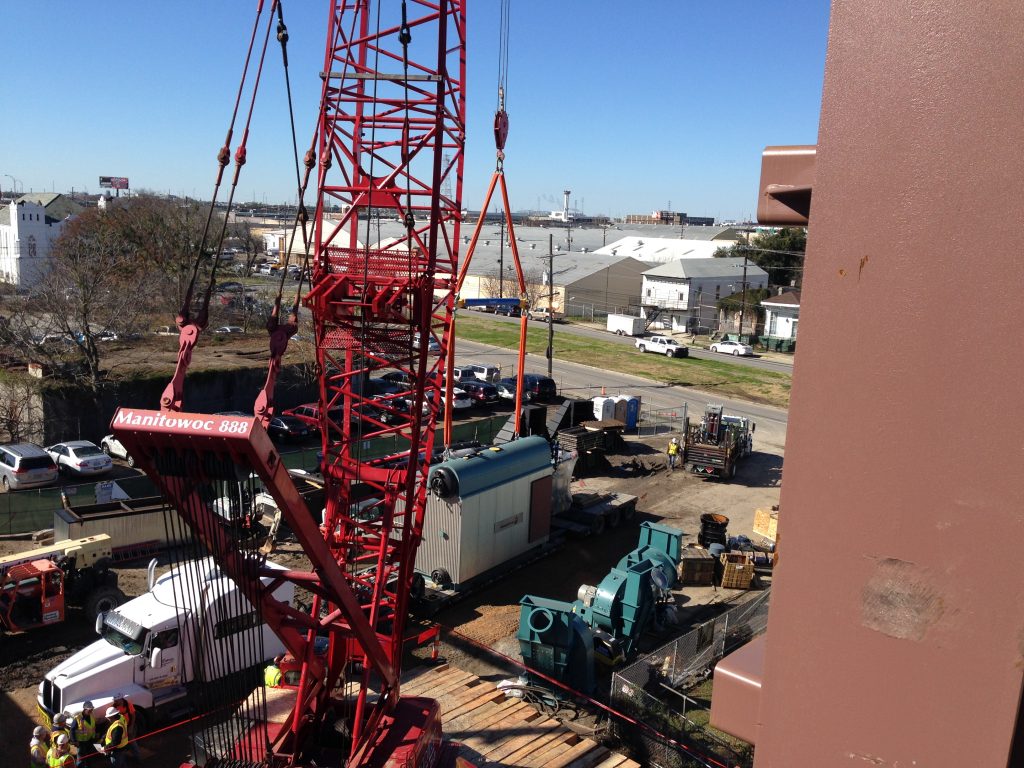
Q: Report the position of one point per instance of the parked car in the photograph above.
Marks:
(25, 465)
(268, 269)
(397, 377)
(166, 330)
(732, 348)
(229, 286)
(542, 388)
(111, 446)
(432, 346)
(508, 311)
(481, 392)
(544, 313)
(460, 399)
(488, 373)
(287, 428)
(507, 390)
(229, 329)
(105, 336)
(80, 457)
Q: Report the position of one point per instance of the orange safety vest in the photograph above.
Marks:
(108, 740)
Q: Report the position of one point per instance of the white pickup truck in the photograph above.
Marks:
(154, 646)
(662, 345)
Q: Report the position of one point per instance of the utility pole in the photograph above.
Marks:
(551, 303)
(568, 226)
(743, 296)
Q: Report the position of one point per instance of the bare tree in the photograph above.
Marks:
(20, 408)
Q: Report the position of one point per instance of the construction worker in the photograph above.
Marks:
(115, 742)
(59, 754)
(61, 726)
(673, 453)
(83, 729)
(39, 747)
(127, 710)
(272, 674)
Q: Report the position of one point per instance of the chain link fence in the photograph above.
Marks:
(652, 690)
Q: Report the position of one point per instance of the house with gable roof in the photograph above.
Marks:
(28, 227)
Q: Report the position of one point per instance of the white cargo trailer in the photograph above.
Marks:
(626, 325)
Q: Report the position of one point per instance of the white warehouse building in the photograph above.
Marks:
(683, 294)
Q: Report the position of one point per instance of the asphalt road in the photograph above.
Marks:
(755, 361)
(582, 381)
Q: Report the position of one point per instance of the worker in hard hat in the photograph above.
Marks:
(115, 741)
(272, 674)
(61, 726)
(59, 755)
(83, 729)
(38, 747)
(673, 453)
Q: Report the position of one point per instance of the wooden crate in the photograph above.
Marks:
(737, 570)
(766, 523)
(696, 567)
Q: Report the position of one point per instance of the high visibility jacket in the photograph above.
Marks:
(55, 732)
(55, 760)
(272, 676)
(85, 727)
(117, 734)
(37, 753)
(673, 449)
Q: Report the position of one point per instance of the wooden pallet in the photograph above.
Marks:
(487, 729)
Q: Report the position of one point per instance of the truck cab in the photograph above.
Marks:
(191, 626)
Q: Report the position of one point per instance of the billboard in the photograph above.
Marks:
(113, 182)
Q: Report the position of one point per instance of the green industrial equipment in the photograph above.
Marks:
(562, 640)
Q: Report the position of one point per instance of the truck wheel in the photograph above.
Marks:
(103, 599)
(643, 348)
(668, 353)
(5, 483)
(131, 460)
(442, 578)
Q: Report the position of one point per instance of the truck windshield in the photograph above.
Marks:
(123, 633)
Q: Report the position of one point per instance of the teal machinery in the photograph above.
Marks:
(563, 640)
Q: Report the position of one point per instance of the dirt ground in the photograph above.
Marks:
(488, 617)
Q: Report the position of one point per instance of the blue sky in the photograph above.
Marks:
(630, 105)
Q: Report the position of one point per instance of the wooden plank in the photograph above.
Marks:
(498, 729)
(577, 752)
(484, 725)
(521, 735)
(474, 710)
(473, 700)
(433, 687)
(525, 754)
(539, 758)
(614, 760)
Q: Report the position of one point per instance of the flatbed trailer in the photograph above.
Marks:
(715, 446)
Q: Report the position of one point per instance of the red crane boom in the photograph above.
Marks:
(390, 137)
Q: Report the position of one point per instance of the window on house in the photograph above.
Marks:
(792, 329)
(681, 295)
(773, 322)
(718, 292)
(648, 293)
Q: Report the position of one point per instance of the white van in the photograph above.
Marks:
(489, 373)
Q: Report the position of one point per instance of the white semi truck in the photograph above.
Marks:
(191, 626)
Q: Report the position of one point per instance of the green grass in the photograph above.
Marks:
(720, 377)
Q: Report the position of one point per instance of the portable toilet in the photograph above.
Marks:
(632, 412)
(604, 408)
(620, 408)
